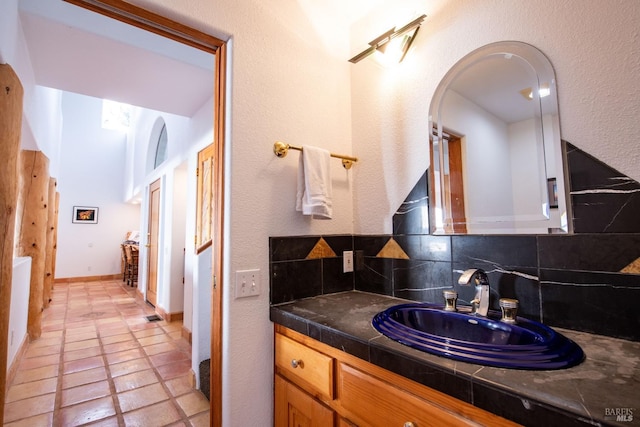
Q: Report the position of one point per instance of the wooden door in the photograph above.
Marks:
(296, 408)
(451, 182)
(152, 242)
(205, 197)
(454, 187)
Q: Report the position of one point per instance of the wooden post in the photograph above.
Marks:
(55, 236)
(49, 247)
(11, 94)
(34, 189)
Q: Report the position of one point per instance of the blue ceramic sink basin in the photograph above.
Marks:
(476, 339)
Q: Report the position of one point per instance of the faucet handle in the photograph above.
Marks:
(450, 297)
(509, 309)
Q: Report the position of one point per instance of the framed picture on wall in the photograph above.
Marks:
(204, 201)
(85, 215)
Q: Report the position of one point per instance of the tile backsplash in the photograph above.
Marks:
(579, 282)
(587, 281)
(603, 200)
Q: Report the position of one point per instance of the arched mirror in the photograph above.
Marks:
(497, 162)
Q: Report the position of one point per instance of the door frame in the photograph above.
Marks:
(453, 199)
(158, 24)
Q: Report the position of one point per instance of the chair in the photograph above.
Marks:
(131, 265)
(123, 262)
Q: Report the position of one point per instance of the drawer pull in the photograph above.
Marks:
(409, 424)
(296, 362)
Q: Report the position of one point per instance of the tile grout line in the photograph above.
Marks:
(154, 369)
(55, 417)
(126, 311)
(112, 386)
(147, 359)
(172, 399)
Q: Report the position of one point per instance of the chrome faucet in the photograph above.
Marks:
(480, 304)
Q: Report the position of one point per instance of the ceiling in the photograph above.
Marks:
(76, 50)
(79, 51)
(494, 83)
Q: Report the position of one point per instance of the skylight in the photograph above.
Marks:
(115, 115)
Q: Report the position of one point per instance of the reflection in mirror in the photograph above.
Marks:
(496, 154)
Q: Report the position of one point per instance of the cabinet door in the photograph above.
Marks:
(296, 408)
(342, 422)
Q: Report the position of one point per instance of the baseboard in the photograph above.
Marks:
(174, 317)
(169, 317)
(13, 369)
(87, 278)
(192, 378)
(186, 334)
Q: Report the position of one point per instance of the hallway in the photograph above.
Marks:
(100, 362)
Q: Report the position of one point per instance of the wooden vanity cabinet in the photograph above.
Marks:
(376, 402)
(296, 408)
(318, 385)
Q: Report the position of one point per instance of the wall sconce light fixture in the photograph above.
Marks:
(395, 42)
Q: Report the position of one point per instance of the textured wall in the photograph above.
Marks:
(91, 175)
(593, 46)
(288, 80)
(285, 85)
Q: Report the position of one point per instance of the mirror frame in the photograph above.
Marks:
(545, 73)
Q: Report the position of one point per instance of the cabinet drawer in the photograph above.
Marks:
(304, 366)
(372, 401)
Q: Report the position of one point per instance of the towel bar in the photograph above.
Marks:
(280, 149)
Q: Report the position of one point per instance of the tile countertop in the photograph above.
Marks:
(605, 384)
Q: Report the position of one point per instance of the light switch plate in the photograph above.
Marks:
(247, 283)
(347, 261)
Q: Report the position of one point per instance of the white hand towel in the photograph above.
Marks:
(314, 183)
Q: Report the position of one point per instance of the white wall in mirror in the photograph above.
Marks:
(485, 145)
(505, 167)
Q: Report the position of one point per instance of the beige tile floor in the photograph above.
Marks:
(99, 362)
